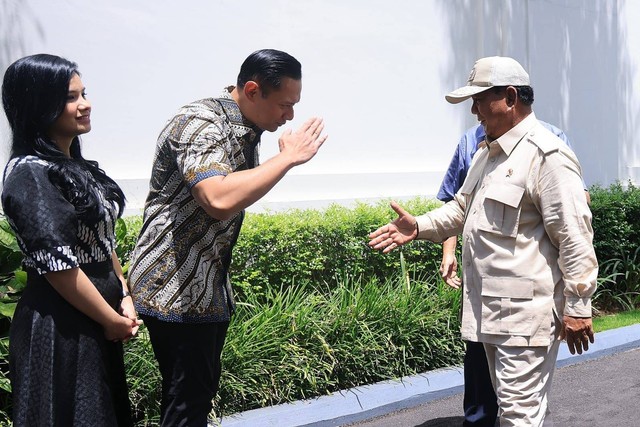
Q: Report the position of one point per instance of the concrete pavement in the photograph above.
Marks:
(595, 393)
(599, 388)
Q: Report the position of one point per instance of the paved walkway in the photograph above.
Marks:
(601, 392)
(599, 388)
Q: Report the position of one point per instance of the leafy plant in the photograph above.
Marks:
(616, 220)
(313, 246)
(126, 231)
(619, 285)
(12, 278)
(12, 282)
(616, 224)
(307, 340)
(319, 311)
(143, 378)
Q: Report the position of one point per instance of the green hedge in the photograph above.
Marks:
(319, 311)
(305, 341)
(616, 220)
(616, 224)
(321, 246)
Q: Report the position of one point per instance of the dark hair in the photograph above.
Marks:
(267, 67)
(34, 94)
(525, 93)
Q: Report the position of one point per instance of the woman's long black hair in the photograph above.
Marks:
(34, 94)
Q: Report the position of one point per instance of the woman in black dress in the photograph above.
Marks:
(65, 351)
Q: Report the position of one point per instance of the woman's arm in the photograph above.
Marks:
(76, 288)
(126, 305)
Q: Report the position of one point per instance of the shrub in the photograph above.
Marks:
(302, 341)
(12, 278)
(12, 282)
(127, 230)
(318, 310)
(616, 220)
(619, 283)
(143, 378)
(616, 224)
(314, 283)
(319, 246)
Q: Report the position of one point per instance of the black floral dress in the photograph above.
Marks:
(63, 371)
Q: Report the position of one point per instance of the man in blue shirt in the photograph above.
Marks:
(480, 405)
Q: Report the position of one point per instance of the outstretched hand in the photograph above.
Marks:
(402, 230)
(578, 331)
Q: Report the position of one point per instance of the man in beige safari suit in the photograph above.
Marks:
(529, 267)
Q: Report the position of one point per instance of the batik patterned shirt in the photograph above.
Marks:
(179, 268)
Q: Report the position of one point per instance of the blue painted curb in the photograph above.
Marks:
(369, 401)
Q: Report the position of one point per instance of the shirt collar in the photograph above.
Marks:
(509, 140)
(242, 127)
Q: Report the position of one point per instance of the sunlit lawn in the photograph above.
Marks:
(618, 320)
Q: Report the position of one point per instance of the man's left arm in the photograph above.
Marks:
(567, 221)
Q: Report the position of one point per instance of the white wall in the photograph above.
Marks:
(629, 92)
(583, 59)
(375, 70)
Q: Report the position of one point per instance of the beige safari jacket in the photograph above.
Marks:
(527, 238)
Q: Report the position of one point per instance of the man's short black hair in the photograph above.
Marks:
(525, 93)
(267, 67)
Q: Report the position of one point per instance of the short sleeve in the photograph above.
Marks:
(450, 184)
(45, 223)
(459, 165)
(202, 148)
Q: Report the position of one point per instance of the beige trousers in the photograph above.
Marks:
(522, 377)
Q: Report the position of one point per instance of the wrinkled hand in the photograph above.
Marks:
(402, 230)
(304, 143)
(449, 270)
(578, 332)
(128, 310)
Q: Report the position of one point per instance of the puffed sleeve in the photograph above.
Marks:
(44, 221)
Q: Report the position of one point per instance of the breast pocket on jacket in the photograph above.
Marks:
(501, 209)
(507, 306)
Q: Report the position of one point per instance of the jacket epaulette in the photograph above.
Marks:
(544, 143)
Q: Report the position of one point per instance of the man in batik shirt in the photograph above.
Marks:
(205, 173)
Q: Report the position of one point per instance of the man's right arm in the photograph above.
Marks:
(449, 263)
(222, 197)
(450, 185)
